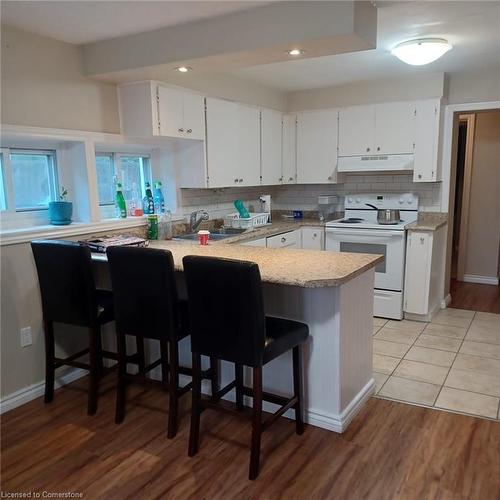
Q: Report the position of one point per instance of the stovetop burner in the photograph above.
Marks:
(351, 220)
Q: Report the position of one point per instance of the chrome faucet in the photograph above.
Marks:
(195, 221)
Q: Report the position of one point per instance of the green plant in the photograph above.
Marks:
(64, 194)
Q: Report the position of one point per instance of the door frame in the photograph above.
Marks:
(448, 162)
(470, 118)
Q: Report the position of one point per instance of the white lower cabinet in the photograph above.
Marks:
(425, 261)
(256, 243)
(313, 238)
(285, 240)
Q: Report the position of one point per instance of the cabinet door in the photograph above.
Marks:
(222, 143)
(313, 238)
(247, 164)
(417, 276)
(356, 130)
(194, 116)
(394, 128)
(285, 240)
(317, 147)
(271, 145)
(289, 172)
(170, 112)
(425, 167)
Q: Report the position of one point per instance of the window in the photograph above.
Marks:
(3, 200)
(32, 179)
(133, 171)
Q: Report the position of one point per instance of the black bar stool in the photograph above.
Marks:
(241, 334)
(147, 307)
(69, 296)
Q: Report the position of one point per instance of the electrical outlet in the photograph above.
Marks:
(26, 336)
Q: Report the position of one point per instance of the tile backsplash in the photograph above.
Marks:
(219, 202)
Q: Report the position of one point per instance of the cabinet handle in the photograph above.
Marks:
(422, 240)
(281, 179)
(290, 179)
(235, 180)
(315, 235)
(368, 149)
(283, 240)
(189, 130)
(241, 180)
(419, 176)
(378, 148)
(329, 177)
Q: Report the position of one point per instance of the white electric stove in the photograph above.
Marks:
(360, 232)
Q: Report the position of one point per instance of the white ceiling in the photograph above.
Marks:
(472, 27)
(85, 21)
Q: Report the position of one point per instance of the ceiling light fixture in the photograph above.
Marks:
(296, 52)
(183, 69)
(421, 51)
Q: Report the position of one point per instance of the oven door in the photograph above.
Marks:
(389, 274)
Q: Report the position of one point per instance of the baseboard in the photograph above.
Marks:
(483, 280)
(34, 391)
(446, 302)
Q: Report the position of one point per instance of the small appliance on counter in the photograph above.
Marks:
(326, 206)
(102, 244)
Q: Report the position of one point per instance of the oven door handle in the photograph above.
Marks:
(365, 232)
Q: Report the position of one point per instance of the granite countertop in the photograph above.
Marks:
(303, 268)
(428, 221)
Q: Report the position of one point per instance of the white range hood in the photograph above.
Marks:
(375, 163)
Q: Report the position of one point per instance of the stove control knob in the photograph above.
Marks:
(349, 200)
(408, 201)
(358, 200)
(401, 201)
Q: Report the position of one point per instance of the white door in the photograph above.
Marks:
(356, 130)
(317, 147)
(247, 165)
(289, 172)
(426, 141)
(313, 238)
(271, 146)
(417, 273)
(394, 128)
(170, 112)
(222, 143)
(391, 244)
(194, 116)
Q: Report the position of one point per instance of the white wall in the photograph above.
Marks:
(42, 85)
(474, 86)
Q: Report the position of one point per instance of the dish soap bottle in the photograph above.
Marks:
(120, 205)
(148, 206)
(159, 200)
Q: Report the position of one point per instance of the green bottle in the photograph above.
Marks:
(120, 205)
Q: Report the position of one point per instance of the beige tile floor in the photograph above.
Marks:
(452, 363)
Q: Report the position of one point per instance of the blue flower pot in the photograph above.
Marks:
(60, 212)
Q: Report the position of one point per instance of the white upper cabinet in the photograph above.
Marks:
(271, 129)
(317, 133)
(150, 109)
(233, 144)
(426, 164)
(356, 130)
(394, 128)
(289, 146)
(387, 128)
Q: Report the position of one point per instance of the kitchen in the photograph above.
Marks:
(380, 140)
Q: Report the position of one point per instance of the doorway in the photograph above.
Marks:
(475, 242)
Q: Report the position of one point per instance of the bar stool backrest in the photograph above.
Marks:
(226, 309)
(66, 282)
(144, 291)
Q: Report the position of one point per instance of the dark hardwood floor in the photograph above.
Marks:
(484, 298)
(391, 450)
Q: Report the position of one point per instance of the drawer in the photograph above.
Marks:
(284, 240)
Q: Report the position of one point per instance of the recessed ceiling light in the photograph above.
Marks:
(296, 52)
(421, 51)
(183, 69)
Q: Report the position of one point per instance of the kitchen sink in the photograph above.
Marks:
(215, 235)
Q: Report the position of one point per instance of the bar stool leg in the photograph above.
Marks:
(238, 375)
(48, 329)
(256, 423)
(214, 379)
(173, 387)
(94, 335)
(194, 433)
(139, 342)
(121, 382)
(297, 384)
(164, 362)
